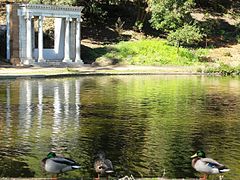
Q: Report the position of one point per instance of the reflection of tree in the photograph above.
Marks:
(21, 169)
(221, 104)
(111, 123)
(160, 99)
(218, 120)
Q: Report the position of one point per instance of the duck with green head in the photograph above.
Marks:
(56, 164)
(207, 166)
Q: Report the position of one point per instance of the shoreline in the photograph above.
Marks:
(88, 70)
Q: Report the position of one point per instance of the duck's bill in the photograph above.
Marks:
(224, 170)
(193, 156)
(109, 171)
(76, 167)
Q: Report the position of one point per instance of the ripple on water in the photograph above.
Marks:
(148, 125)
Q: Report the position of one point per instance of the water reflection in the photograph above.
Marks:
(40, 108)
(8, 108)
(57, 118)
(147, 125)
(25, 108)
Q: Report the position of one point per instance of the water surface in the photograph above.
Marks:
(147, 125)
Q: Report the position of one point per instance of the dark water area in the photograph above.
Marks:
(147, 125)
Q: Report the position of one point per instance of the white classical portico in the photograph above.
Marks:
(66, 38)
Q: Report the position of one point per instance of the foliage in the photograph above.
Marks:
(138, 26)
(224, 69)
(186, 35)
(119, 26)
(142, 12)
(169, 15)
(150, 52)
(93, 12)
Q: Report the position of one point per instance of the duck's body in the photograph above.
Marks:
(103, 166)
(56, 164)
(207, 166)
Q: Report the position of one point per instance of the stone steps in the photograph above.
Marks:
(57, 64)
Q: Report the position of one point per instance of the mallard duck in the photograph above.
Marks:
(206, 166)
(102, 166)
(56, 164)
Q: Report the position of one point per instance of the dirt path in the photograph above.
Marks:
(38, 72)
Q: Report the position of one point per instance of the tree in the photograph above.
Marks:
(169, 15)
(142, 11)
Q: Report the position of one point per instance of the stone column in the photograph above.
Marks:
(67, 41)
(29, 49)
(8, 31)
(40, 39)
(78, 39)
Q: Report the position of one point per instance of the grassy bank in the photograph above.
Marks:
(149, 52)
(156, 52)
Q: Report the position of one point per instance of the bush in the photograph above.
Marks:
(225, 70)
(169, 15)
(185, 36)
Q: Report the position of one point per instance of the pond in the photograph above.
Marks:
(147, 125)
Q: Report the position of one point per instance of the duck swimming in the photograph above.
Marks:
(206, 166)
(102, 166)
(56, 164)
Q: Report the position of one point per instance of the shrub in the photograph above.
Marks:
(186, 35)
(225, 70)
(169, 15)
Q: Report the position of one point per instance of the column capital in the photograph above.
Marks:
(68, 19)
(79, 19)
(28, 16)
(41, 18)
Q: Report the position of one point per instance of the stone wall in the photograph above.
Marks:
(14, 34)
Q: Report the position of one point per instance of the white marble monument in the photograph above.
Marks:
(66, 34)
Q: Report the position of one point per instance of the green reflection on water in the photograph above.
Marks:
(147, 125)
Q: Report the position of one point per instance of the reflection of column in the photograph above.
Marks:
(40, 105)
(25, 98)
(77, 100)
(57, 113)
(67, 41)
(40, 93)
(57, 103)
(25, 110)
(29, 45)
(66, 97)
(8, 106)
(40, 39)
(78, 40)
(28, 117)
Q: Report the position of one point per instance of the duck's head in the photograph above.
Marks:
(199, 154)
(51, 155)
